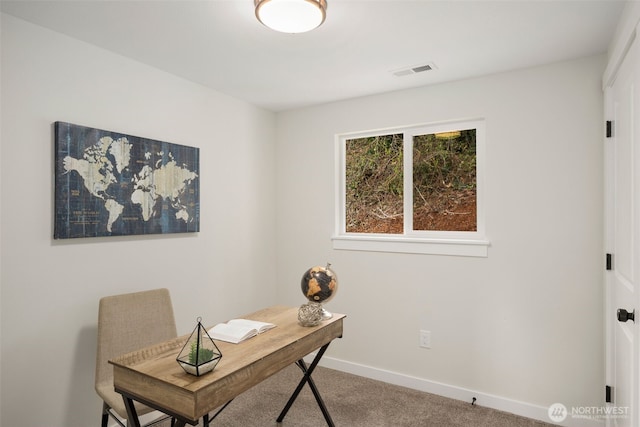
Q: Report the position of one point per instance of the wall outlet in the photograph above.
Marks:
(425, 339)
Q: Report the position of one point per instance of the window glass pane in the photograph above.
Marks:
(444, 181)
(374, 185)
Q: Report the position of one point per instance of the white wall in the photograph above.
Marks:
(1, 275)
(525, 323)
(50, 289)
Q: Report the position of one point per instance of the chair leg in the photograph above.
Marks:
(105, 414)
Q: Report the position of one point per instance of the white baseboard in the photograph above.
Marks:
(482, 399)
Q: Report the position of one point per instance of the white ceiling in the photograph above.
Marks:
(220, 44)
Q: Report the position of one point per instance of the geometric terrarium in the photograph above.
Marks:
(200, 354)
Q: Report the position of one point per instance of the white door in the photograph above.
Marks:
(622, 197)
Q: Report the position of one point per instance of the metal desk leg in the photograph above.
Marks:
(206, 420)
(307, 379)
(132, 415)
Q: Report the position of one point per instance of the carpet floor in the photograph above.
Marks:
(355, 401)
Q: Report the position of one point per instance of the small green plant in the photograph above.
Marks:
(198, 356)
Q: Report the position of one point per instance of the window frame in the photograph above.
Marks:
(460, 243)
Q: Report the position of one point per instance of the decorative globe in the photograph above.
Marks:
(319, 285)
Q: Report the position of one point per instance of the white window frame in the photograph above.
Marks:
(459, 243)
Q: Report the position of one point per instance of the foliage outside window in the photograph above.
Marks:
(419, 185)
(444, 181)
(374, 184)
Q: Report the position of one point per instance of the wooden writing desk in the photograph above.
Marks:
(153, 377)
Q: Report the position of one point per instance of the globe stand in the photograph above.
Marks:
(326, 314)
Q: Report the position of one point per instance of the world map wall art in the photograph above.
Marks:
(112, 184)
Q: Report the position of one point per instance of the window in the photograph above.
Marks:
(414, 189)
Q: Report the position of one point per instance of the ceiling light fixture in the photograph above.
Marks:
(291, 16)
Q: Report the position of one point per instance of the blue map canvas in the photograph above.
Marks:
(112, 184)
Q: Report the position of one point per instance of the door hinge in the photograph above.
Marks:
(609, 262)
(609, 129)
(607, 394)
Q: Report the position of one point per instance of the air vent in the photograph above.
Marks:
(415, 69)
(421, 68)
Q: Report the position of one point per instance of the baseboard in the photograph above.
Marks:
(482, 399)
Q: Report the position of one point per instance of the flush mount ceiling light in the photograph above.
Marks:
(291, 16)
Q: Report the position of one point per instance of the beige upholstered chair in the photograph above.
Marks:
(126, 323)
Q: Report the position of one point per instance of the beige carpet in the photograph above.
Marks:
(355, 401)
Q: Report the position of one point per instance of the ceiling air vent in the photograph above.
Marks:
(413, 70)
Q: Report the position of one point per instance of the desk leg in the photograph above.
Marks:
(206, 419)
(132, 415)
(307, 379)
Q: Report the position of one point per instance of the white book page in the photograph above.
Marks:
(255, 324)
(233, 333)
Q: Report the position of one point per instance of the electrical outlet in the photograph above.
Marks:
(425, 339)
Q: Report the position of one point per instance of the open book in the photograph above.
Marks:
(237, 330)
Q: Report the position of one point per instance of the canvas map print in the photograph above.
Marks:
(112, 184)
